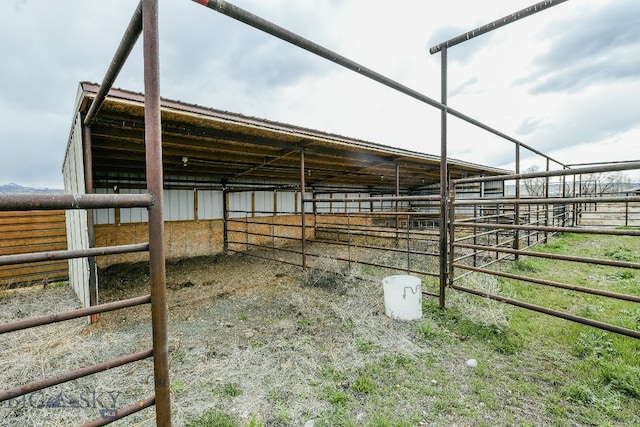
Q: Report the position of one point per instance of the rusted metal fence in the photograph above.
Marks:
(479, 243)
(145, 21)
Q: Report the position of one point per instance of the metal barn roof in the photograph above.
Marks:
(218, 147)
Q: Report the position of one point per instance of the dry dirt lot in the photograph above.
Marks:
(249, 338)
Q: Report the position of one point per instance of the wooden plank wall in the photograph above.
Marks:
(33, 231)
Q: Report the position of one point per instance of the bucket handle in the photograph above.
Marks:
(404, 292)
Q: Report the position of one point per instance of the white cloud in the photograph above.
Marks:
(566, 77)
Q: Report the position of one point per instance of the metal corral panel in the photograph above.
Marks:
(210, 204)
(76, 220)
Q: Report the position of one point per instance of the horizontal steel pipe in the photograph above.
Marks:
(548, 200)
(613, 167)
(555, 313)
(121, 413)
(376, 199)
(611, 263)
(70, 254)
(129, 39)
(523, 13)
(579, 230)
(25, 202)
(73, 314)
(553, 284)
(73, 375)
(377, 248)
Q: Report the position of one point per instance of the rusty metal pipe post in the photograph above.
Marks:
(157, 272)
(444, 194)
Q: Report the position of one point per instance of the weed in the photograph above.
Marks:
(595, 344)
(621, 254)
(526, 265)
(330, 372)
(364, 384)
(426, 329)
(337, 397)
(243, 316)
(365, 346)
(254, 422)
(231, 389)
(177, 387)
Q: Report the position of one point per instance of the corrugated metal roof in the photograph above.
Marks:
(224, 147)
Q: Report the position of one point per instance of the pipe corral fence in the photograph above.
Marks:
(454, 231)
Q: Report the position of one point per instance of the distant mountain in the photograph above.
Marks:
(16, 188)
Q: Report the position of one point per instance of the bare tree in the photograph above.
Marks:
(535, 187)
(599, 184)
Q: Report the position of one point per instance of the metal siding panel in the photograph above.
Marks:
(210, 204)
(77, 235)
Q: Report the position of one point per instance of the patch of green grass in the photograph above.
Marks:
(337, 397)
(620, 253)
(365, 346)
(526, 265)
(364, 384)
(503, 340)
(177, 387)
(230, 390)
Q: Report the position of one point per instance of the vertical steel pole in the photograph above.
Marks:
(443, 178)
(303, 222)
(157, 273)
(88, 189)
(546, 210)
(516, 220)
(397, 205)
(225, 222)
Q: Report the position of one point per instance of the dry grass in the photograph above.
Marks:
(260, 340)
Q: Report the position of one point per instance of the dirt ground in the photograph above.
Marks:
(249, 338)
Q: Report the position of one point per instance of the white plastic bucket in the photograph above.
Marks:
(402, 297)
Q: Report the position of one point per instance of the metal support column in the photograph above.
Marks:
(303, 221)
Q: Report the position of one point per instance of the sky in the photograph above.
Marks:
(565, 81)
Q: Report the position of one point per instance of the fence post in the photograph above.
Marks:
(155, 186)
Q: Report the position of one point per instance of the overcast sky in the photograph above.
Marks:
(565, 81)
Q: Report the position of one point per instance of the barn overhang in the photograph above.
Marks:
(209, 147)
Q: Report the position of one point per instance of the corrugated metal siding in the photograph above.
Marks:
(287, 202)
(210, 204)
(76, 220)
(264, 203)
(33, 231)
(178, 205)
(239, 204)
